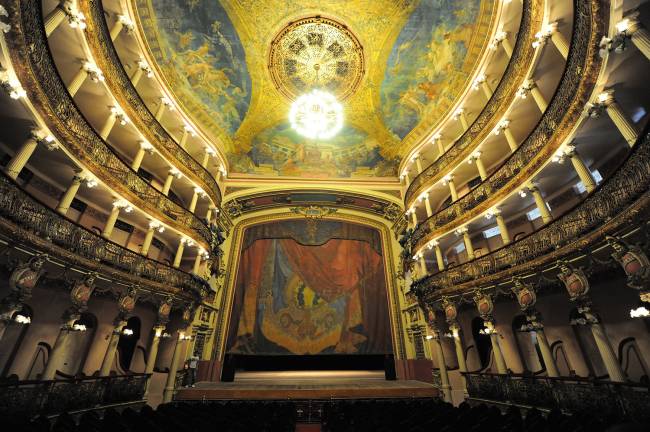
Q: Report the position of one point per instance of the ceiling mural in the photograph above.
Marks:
(235, 66)
(280, 151)
(200, 49)
(426, 63)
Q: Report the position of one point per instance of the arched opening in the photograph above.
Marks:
(562, 361)
(39, 360)
(527, 345)
(632, 361)
(482, 341)
(13, 337)
(128, 342)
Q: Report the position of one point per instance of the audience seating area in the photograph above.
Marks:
(414, 415)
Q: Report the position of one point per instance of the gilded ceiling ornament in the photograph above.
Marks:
(316, 53)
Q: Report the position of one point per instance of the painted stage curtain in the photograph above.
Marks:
(322, 298)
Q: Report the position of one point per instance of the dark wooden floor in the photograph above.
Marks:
(307, 385)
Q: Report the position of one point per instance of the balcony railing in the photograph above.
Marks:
(563, 112)
(99, 40)
(628, 184)
(28, 213)
(568, 394)
(31, 398)
(39, 76)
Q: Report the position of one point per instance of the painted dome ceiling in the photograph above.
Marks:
(235, 66)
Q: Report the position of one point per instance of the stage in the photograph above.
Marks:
(312, 385)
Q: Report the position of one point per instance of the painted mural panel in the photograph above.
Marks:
(310, 287)
(281, 151)
(426, 62)
(203, 55)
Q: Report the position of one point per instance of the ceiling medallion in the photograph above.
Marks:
(316, 115)
(316, 53)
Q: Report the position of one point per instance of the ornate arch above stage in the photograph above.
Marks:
(385, 241)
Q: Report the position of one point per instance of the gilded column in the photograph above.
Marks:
(121, 22)
(148, 238)
(145, 147)
(538, 97)
(501, 38)
(607, 103)
(54, 19)
(112, 217)
(461, 115)
(168, 181)
(504, 126)
(581, 169)
(165, 103)
(464, 231)
(439, 260)
(452, 187)
(451, 313)
(179, 251)
(427, 205)
(476, 157)
(116, 115)
(437, 349)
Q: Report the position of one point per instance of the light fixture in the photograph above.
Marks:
(79, 327)
(640, 312)
(316, 115)
(127, 332)
(22, 319)
(429, 337)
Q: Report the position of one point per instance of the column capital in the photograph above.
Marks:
(173, 171)
(144, 67)
(94, 72)
(448, 179)
(123, 204)
(187, 128)
(544, 34)
(156, 225)
(474, 156)
(458, 113)
(168, 103)
(126, 21)
(461, 230)
(120, 115)
(44, 137)
(146, 146)
(76, 19)
(526, 88)
(480, 79)
(501, 126)
(499, 37)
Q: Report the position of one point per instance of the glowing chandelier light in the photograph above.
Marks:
(316, 115)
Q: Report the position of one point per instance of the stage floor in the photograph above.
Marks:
(307, 386)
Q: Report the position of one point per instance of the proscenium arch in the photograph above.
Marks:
(389, 255)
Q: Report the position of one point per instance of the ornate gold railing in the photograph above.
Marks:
(564, 110)
(121, 87)
(504, 95)
(26, 219)
(604, 211)
(32, 59)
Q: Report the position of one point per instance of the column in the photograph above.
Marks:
(442, 366)
(77, 81)
(112, 218)
(439, 259)
(187, 131)
(607, 102)
(561, 43)
(476, 157)
(481, 81)
(407, 179)
(165, 103)
(54, 19)
(502, 39)
(503, 229)
(139, 156)
(179, 349)
(18, 162)
(143, 67)
(464, 231)
(581, 169)
(415, 217)
(538, 97)
(109, 356)
(496, 349)
(547, 355)
(208, 213)
(437, 139)
(632, 28)
(541, 204)
(195, 199)
(427, 205)
(58, 352)
(206, 156)
(460, 352)
(462, 116)
(116, 115)
(153, 353)
(418, 163)
(604, 346)
(122, 21)
(148, 237)
(69, 194)
(452, 187)
(504, 126)
(423, 264)
(179, 253)
(168, 181)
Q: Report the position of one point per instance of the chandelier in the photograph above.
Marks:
(316, 115)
